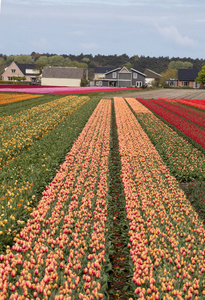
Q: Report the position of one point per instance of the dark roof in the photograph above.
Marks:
(187, 74)
(132, 70)
(103, 70)
(113, 70)
(23, 67)
(136, 71)
(62, 72)
(151, 74)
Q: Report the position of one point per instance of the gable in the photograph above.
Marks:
(124, 70)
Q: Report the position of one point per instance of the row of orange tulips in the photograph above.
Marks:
(61, 253)
(10, 98)
(167, 237)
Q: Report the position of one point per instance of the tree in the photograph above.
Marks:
(56, 60)
(35, 55)
(180, 65)
(169, 74)
(128, 65)
(10, 59)
(41, 62)
(18, 78)
(78, 65)
(67, 61)
(201, 76)
(2, 61)
(24, 59)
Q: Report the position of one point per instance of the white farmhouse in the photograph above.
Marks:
(62, 76)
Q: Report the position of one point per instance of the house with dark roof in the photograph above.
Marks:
(151, 77)
(186, 78)
(99, 73)
(62, 76)
(15, 69)
(122, 77)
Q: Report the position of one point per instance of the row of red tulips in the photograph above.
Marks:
(191, 114)
(198, 103)
(185, 161)
(188, 128)
(166, 236)
(61, 253)
(188, 108)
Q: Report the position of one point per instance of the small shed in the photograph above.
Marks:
(62, 76)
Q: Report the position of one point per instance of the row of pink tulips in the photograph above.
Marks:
(60, 254)
(167, 239)
(57, 89)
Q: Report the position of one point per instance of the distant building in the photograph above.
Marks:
(186, 78)
(122, 77)
(15, 69)
(62, 76)
(151, 77)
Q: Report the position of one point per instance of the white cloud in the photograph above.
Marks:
(172, 33)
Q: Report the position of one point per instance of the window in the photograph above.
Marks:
(9, 78)
(135, 75)
(185, 83)
(114, 75)
(13, 71)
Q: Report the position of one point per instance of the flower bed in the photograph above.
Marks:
(193, 115)
(188, 128)
(10, 98)
(166, 236)
(198, 103)
(58, 90)
(61, 253)
(185, 162)
(23, 179)
(21, 131)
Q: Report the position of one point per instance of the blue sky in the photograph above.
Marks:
(173, 28)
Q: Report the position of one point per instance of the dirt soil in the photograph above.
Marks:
(164, 93)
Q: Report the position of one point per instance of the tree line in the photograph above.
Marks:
(88, 62)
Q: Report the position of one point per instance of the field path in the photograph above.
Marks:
(165, 93)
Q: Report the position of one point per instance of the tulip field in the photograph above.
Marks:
(189, 122)
(65, 236)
